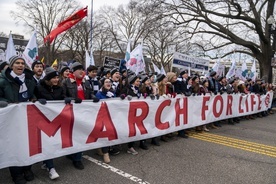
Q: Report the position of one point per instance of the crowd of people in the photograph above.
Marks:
(41, 83)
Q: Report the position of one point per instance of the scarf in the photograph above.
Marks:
(23, 95)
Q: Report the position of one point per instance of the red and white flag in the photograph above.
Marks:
(66, 24)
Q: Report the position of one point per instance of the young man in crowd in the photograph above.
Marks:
(38, 67)
(17, 85)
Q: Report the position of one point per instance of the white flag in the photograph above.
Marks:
(31, 51)
(245, 71)
(215, 66)
(231, 71)
(127, 56)
(162, 71)
(156, 69)
(253, 74)
(89, 60)
(10, 51)
(136, 61)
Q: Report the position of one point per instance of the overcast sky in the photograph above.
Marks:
(7, 23)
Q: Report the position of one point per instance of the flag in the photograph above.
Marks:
(156, 69)
(231, 71)
(10, 51)
(89, 60)
(31, 51)
(215, 66)
(136, 61)
(66, 24)
(127, 56)
(42, 60)
(245, 71)
(162, 71)
(253, 74)
(54, 63)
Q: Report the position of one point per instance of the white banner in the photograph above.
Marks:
(31, 132)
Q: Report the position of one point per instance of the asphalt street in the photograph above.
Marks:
(244, 153)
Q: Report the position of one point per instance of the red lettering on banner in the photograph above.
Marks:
(133, 119)
(38, 122)
(103, 120)
(259, 102)
(246, 104)
(217, 99)
(183, 111)
(204, 107)
(229, 105)
(162, 125)
(253, 102)
(240, 104)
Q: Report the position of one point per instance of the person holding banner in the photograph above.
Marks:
(134, 90)
(75, 86)
(105, 92)
(49, 88)
(17, 85)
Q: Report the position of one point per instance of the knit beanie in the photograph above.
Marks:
(76, 66)
(50, 73)
(14, 58)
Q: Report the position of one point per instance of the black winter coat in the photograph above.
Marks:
(49, 92)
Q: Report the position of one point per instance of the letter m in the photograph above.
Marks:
(38, 122)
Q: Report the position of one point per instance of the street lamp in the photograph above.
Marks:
(272, 31)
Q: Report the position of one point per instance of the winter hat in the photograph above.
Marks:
(182, 72)
(114, 70)
(160, 77)
(220, 78)
(240, 82)
(194, 77)
(231, 81)
(63, 68)
(76, 66)
(50, 73)
(213, 73)
(144, 78)
(3, 64)
(132, 79)
(14, 58)
(37, 62)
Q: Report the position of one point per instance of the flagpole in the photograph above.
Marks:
(91, 31)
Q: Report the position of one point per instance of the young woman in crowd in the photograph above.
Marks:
(49, 88)
(105, 92)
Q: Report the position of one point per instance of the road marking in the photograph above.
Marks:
(237, 143)
(115, 170)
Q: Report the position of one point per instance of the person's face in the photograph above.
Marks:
(54, 80)
(174, 79)
(108, 75)
(38, 69)
(190, 82)
(55, 67)
(78, 73)
(18, 66)
(107, 84)
(165, 80)
(206, 84)
(92, 73)
(116, 76)
(197, 80)
(66, 73)
(148, 82)
(137, 82)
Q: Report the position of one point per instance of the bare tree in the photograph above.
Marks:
(44, 15)
(223, 24)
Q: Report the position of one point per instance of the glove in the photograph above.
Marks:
(157, 97)
(122, 96)
(3, 104)
(138, 95)
(42, 101)
(129, 97)
(152, 96)
(215, 93)
(67, 100)
(188, 93)
(78, 100)
(221, 92)
(145, 95)
(95, 99)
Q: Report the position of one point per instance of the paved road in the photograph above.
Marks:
(244, 153)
